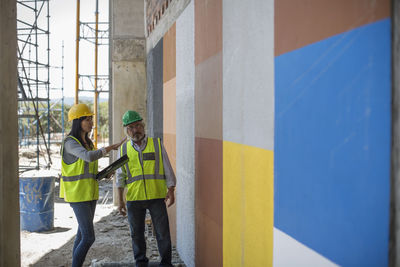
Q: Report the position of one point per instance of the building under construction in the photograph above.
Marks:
(33, 54)
(280, 119)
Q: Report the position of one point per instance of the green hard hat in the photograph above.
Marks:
(130, 116)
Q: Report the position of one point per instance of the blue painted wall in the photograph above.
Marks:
(332, 145)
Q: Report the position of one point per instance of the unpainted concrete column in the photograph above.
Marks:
(9, 204)
(128, 62)
(394, 246)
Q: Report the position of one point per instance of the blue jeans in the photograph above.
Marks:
(84, 212)
(159, 217)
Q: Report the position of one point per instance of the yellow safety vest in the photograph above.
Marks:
(78, 180)
(145, 181)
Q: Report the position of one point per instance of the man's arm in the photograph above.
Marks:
(120, 182)
(121, 202)
(169, 177)
(120, 173)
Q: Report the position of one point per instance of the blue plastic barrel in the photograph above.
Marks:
(36, 203)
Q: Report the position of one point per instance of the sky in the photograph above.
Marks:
(63, 29)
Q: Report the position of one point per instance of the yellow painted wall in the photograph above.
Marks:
(247, 205)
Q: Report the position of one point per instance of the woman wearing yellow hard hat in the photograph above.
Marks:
(78, 184)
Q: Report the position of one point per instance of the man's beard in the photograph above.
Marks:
(137, 137)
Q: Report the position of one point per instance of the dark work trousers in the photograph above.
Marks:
(159, 218)
(84, 212)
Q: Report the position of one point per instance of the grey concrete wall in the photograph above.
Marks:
(128, 18)
(128, 63)
(394, 247)
(185, 141)
(9, 187)
(155, 91)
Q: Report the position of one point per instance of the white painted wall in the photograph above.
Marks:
(248, 72)
(185, 220)
(290, 252)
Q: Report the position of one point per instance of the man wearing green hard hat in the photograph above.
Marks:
(150, 183)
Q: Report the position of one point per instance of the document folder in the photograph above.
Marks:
(112, 167)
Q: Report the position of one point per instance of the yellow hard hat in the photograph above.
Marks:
(79, 110)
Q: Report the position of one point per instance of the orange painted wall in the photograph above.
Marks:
(169, 109)
(208, 132)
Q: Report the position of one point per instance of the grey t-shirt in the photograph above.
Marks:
(73, 150)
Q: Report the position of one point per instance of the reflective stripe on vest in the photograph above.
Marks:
(149, 182)
(157, 175)
(86, 174)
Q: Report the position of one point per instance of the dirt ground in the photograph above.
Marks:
(54, 248)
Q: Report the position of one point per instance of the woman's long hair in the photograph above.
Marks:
(76, 132)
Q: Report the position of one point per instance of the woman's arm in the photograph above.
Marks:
(113, 147)
(74, 148)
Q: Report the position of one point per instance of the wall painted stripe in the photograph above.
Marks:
(332, 145)
(208, 202)
(302, 22)
(185, 220)
(248, 205)
(169, 54)
(290, 252)
(208, 29)
(208, 98)
(155, 85)
(169, 110)
(208, 131)
(248, 72)
(170, 145)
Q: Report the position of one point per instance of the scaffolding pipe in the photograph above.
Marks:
(37, 90)
(62, 91)
(77, 51)
(96, 93)
(36, 108)
(48, 76)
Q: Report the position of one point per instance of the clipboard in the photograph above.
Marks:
(112, 167)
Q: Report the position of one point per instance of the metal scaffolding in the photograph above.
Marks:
(34, 76)
(97, 34)
(62, 108)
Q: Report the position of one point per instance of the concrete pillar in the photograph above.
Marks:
(128, 64)
(128, 61)
(9, 204)
(394, 247)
